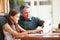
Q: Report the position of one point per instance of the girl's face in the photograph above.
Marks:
(16, 17)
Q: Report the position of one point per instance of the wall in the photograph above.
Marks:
(4, 6)
(56, 12)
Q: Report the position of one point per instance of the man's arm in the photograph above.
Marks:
(40, 22)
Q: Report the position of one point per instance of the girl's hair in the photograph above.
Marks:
(11, 13)
(59, 25)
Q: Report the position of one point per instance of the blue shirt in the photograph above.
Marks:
(2, 23)
(31, 23)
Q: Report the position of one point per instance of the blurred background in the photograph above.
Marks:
(48, 10)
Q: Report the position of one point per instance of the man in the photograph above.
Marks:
(28, 22)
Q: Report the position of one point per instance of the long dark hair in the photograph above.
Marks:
(59, 25)
(11, 13)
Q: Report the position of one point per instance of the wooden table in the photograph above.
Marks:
(53, 36)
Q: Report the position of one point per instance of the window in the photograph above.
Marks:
(28, 3)
(45, 2)
(15, 4)
(35, 3)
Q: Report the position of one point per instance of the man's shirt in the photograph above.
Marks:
(30, 24)
(2, 23)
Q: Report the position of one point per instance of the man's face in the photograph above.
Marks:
(25, 13)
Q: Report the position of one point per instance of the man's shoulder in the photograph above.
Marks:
(36, 18)
(2, 20)
(6, 16)
(21, 18)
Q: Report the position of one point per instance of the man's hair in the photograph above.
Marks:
(22, 7)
